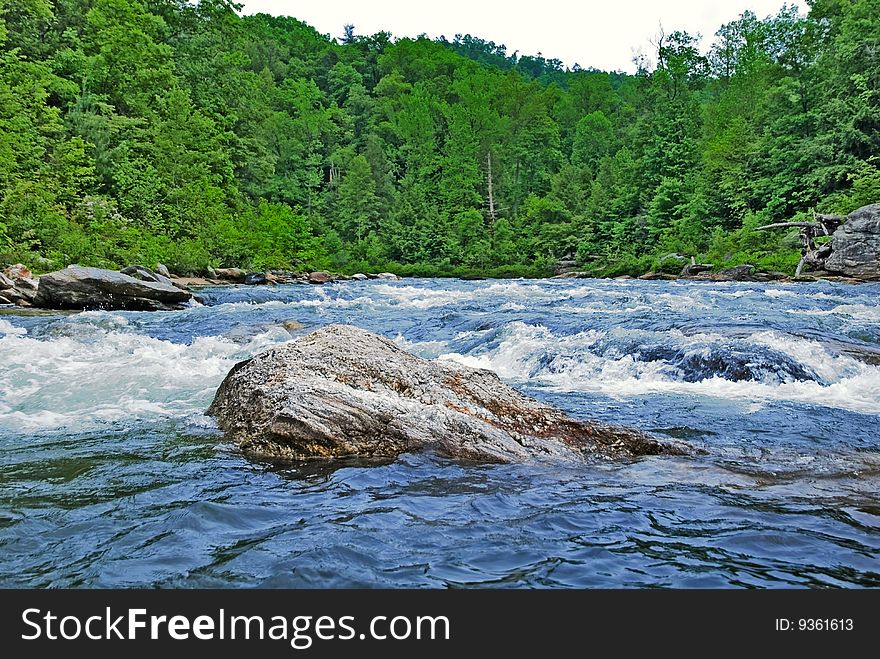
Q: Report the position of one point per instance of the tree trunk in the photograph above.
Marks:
(489, 178)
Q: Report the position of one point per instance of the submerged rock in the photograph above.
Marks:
(93, 288)
(342, 391)
(855, 247)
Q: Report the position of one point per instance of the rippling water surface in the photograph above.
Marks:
(110, 474)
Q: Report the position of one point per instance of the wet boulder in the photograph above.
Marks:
(93, 288)
(342, 391)
(320, 277)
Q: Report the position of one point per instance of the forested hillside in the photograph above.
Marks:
(144, 131)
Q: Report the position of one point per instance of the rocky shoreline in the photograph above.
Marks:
(237, 276)
(851, 254)
(743, 273)
(138, 288)
(839, 248)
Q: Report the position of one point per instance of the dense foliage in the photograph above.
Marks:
(161, 130)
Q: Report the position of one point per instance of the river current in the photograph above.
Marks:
(111, 475)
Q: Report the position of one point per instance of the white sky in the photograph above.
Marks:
(601, 34)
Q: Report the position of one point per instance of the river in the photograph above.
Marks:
(111, 475)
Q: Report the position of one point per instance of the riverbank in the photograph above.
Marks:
(139, 288)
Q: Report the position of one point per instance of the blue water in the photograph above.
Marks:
(110, 474)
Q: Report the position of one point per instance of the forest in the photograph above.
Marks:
(147, 131)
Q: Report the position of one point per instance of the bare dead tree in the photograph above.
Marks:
(489, 181)
(811, 254)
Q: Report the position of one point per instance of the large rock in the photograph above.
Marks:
(145, 274)
(855, 246)
(744, 272)
(694, 269)
(342, 391)
(229, 274)
(94, 288)
(320, 277)
(18, 286)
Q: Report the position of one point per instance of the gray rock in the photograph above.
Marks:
(4, 300)
(694, 269)
(27, 286)
(256, 279)
(359, 276)
(342, 391)
(93, 288)
(855, 246)
(18, 286)
(387, 275)
(145, 274)
(14, 296)
(565, 265)
(320, 277)
(230, 274)
(743, 272)
(573, 275)
(163, 270)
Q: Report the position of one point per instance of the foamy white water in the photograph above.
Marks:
(91, 375)
(614, 338)
(533, 354)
